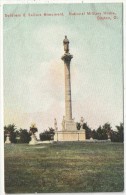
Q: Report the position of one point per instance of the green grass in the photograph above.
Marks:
(64, 167)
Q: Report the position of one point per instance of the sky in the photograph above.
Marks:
(34, 72)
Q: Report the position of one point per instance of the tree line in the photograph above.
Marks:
(103, 132)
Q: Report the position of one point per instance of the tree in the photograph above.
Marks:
(108, 129)
(118, 135)
(87, 129)
(120, 130)
(24, 136)
(47, 135)
(11, 131)
(101, 133)
(114, 136)
(94, 134)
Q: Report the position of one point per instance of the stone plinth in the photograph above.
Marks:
(69, 132)
(7, 140)
(70, 135)
(33, 140)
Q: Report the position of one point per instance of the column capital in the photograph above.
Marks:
(67, 57)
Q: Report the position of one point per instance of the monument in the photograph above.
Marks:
(33, 130)
(8, 139)
(69, 130)
(33, 140)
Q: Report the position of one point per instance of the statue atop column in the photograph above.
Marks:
(66, 45)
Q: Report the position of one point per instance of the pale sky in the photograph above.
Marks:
(34, 71)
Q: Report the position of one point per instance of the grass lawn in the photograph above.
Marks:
(64, 167)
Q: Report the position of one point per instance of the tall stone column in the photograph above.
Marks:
(69, 130)
(69, 123)
(68, 105)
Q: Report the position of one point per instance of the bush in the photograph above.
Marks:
(94, 134)
(47, 135)
(24, 136)
(118, 136)
(101, 133)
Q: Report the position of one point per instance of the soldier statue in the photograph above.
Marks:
(81, 122)
(66, 45)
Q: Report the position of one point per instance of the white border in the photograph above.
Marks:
(1, 74)
(1, 104)
(58, 1)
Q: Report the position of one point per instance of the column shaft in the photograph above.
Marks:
(68, 104)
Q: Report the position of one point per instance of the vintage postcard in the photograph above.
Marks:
(63, 97)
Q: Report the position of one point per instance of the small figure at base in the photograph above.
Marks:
(81, 123)
(55, 124)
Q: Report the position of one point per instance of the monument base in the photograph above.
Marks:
(70, 136)
(70, 125)
(33, 140)
(7, 140)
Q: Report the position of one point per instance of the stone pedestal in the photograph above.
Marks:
(109, 137)
(69, 132)
(70, 135)
(70, 125)
(33, 140)
(7, 140)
